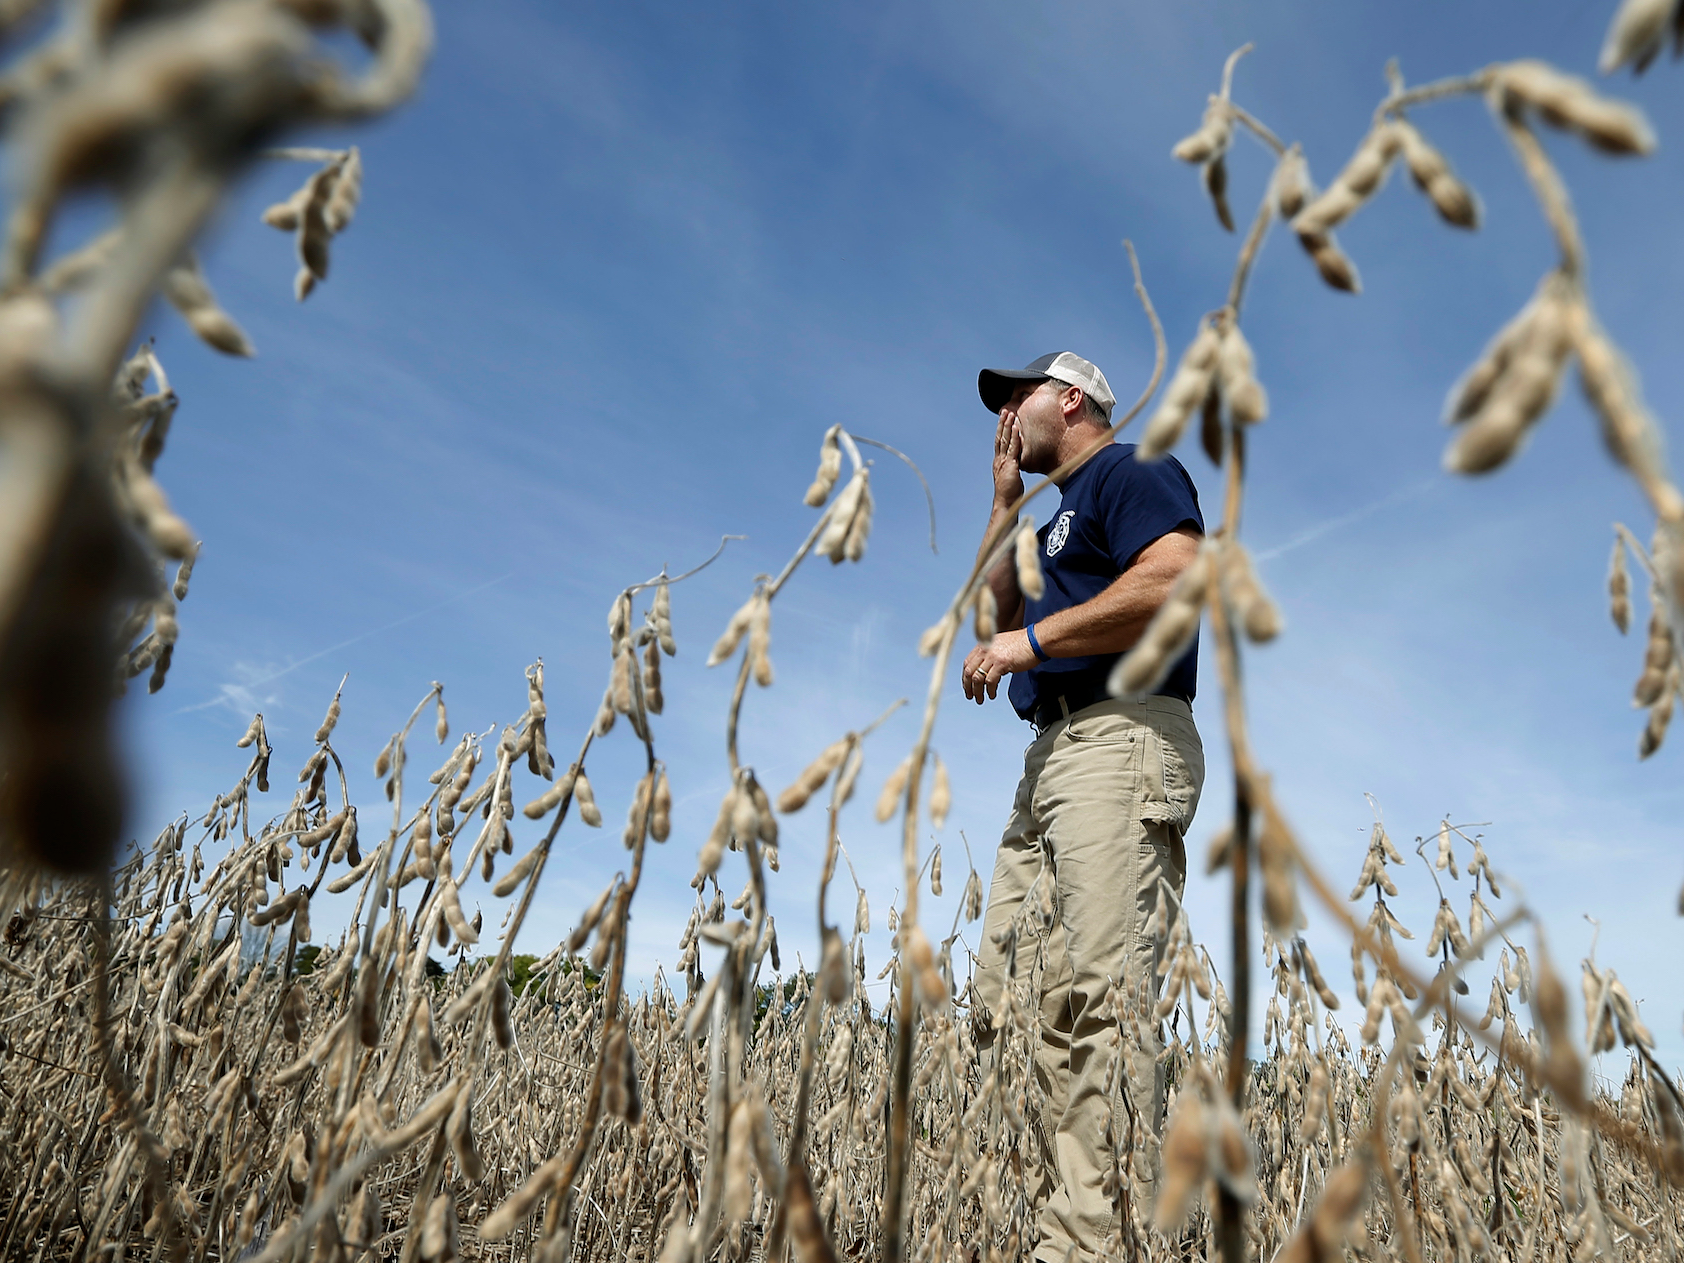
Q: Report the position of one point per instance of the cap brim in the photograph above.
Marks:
(996, 385)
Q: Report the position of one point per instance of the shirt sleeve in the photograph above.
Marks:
(1144, 501)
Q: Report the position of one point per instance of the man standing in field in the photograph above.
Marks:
(1109, 785)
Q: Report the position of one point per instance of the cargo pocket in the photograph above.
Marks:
(1174, 774)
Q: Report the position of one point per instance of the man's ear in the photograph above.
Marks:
(1070, 402)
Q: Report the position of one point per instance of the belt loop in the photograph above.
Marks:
(1064, 706)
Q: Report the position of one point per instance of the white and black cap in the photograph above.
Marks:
(996, 385)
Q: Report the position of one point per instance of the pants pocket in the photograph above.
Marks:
(1174, 774)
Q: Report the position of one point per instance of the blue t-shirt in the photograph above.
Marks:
(1112, 508)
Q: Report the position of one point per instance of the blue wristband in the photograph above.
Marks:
(1040, 653)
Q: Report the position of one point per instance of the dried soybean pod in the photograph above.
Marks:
(591, 916)
(313, 234)
(1169, 633)
(739, 1153)
(1568, 102)
(985, 622)
(1474, 387)
(368, 1004)
(713, 850)
(941, 801)
(1334, 265)
(441, 728)
(1430, 170)
(813, 777)
(1360, 179)
(1619, 587)
(438, 1230)
(620, 686)
(428, 1053)
(184, 573)
(1216, 130)
(328, 721)
(892, 788)
(345, 192)
(1237, 373)
(637, 816)
(589, 812)
(459, 1130)
(1185, 1159)
(1030, 581)
(1660, 716)
(1185, 393)
(502, 1029)
(660, 819)
(1636, 34)
(661, 611)
(189, 293)
(653, 702)
(1657, 659)
(1215, 173)
(732, 636)
(760, 642)
(830, 468)
(512, 879)
(1291, 182)
(859, 526)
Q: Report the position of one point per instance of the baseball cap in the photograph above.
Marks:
(995, 385)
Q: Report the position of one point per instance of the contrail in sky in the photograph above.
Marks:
(345, 644)
(1311, 534)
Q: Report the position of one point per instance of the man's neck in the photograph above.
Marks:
(1076, 440)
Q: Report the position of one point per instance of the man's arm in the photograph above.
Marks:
(1008, 489)
(1108, 623)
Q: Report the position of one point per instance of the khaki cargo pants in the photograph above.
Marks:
(1105, 800)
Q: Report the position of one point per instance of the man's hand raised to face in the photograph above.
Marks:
(986, 665)
(1008, 448)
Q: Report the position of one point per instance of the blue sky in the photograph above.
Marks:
(619, 266)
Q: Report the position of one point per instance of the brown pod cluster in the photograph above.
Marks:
(322, 207)
(849, 525)
(1568, 102)
(1500, 398)
(1184, 395)
(1454, 201)
(1167, 636)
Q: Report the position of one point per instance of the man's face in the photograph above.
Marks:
(1040, 422)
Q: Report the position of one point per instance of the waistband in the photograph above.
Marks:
(1056, 710)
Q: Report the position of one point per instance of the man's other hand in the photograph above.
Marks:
(986, 665)
(1008, 448)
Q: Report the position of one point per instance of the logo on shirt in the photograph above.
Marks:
(1060, 532)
